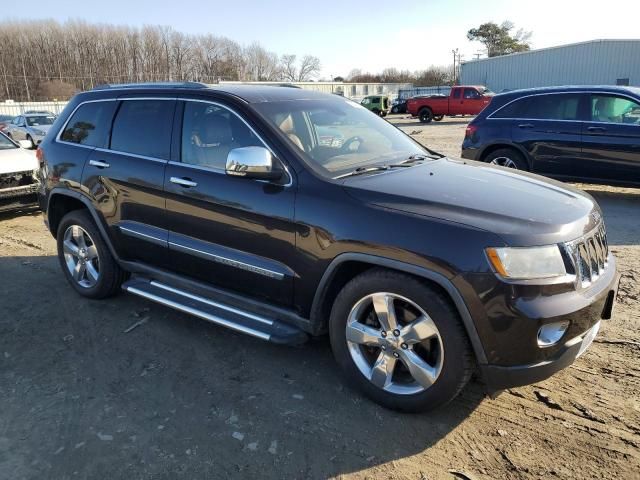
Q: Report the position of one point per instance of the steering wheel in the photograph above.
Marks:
(346, 146)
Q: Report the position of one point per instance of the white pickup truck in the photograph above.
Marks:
(18, 175)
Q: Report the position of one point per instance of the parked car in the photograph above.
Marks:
(399, 106)
(31, 127)
(462, 100)
(5, 120)
(585, 134)
(223, 203)
(18, 175)
(378, 104)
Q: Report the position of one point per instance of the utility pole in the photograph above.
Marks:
(456, 64)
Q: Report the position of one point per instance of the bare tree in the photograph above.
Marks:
(289, 68)
(309, 68)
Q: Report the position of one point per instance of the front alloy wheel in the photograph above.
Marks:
(394, 343)
(81, 256)
(389, 334)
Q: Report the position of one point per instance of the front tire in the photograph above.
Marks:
(400, 341)
(425, 115)
(85, 258)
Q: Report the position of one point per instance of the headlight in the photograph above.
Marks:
(527, 262)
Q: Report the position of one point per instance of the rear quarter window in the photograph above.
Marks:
(89, 125)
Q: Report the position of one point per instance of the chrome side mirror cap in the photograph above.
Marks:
(252, 162)
(26, 144)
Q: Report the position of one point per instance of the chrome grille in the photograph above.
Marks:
(589, 256)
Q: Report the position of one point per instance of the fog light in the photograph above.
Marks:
(551, 333)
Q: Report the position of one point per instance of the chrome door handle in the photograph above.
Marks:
(525, 125)
(184, 182)
(99, 163)
(596, 129)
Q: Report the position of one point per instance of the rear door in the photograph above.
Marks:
(549, 128)
(456, 101)
(611, 139)
(126, 178)
(232, 232)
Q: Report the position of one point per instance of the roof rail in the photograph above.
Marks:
(152, 85)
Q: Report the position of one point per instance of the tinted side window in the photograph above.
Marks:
(375, 100)
(210, 132)
(143, 127)
(553, 107)
(90, 124)
(456, 93)
(514, 109)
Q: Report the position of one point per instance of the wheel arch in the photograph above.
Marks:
(348, 265)
(63, 201)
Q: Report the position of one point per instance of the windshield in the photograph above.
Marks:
(36, 121)
(338, 135)
(5, 143)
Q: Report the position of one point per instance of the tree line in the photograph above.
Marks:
(47, 60)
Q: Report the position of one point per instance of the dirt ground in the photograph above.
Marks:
(176, 397)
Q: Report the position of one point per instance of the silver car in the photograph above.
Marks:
(31, 127)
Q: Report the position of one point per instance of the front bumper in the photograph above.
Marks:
(15, 198)
(500, 377)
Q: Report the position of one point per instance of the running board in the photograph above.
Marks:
(219, 313)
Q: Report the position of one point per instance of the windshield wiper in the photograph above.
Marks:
(378, 168)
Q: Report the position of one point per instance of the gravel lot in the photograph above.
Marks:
(177, 397)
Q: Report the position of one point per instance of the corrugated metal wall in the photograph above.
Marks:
(599, 62)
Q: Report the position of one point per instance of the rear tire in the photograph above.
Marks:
(398, 369)
(507, 157)
(425, 115)
(85, 258)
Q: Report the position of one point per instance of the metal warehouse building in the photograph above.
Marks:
(597, 62)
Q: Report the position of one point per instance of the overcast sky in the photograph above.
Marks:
(370, 35)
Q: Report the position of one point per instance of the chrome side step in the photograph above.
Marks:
(216, 312)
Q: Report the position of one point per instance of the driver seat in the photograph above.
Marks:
(286, 125)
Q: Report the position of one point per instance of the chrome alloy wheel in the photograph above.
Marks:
(504, 162)
(81, 256)
(394, 343)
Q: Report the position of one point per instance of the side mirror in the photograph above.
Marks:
(252, 162)
(26, 144)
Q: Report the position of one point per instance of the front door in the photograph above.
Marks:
(549, 128)
(232, 232)
(611, 139)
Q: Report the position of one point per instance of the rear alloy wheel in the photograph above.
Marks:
(508, 158)
(399, 341)
(85, 258)
(425, 115)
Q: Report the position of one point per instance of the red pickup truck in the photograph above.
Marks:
(463, 100)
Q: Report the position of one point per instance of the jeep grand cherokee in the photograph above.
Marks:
(223, 203)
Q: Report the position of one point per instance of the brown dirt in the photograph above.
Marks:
(179, 398)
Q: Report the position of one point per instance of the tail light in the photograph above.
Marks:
(40, 156)
(470, 131)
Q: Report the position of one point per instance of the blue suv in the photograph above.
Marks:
(585, 134)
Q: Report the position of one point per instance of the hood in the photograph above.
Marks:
(44, 128)
(522, 208)
(17, 160)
